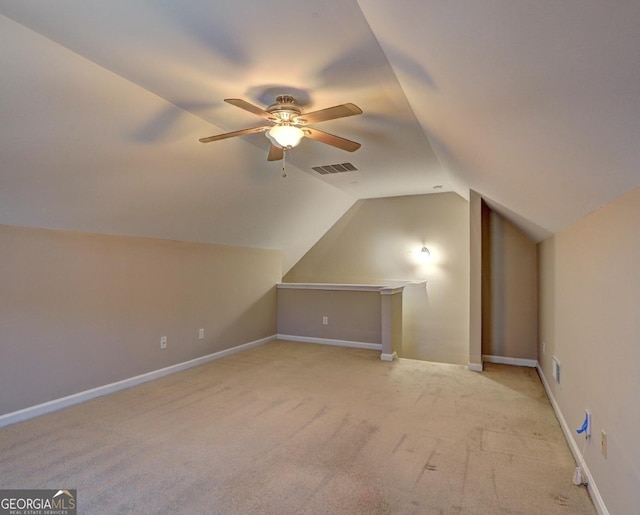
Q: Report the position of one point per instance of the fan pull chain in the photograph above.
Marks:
(284, 155)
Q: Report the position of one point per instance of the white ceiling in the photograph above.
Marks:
(533, 104)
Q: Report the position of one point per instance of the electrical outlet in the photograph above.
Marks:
(603, 443)
(201, 334)
(163, 342)
(325, 320)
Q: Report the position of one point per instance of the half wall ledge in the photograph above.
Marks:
(367, 314)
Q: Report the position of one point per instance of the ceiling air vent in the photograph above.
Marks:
(337, 168)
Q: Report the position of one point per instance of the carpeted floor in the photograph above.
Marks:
(302, 428)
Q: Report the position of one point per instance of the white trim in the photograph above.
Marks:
(383, 290)
(86, 395)
(388, 357)
(503, 360)
(388, 290)
(476, 367)
(575, 449)
(327, 341)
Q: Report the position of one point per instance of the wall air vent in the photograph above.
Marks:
(337, 168)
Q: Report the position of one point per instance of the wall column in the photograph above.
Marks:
(475, 281)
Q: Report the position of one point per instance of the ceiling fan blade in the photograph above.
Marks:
(275, 153)
(331, 139)
(233, 134)
(331, 113)
(243, 104)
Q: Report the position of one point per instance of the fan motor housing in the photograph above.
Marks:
(284, 109)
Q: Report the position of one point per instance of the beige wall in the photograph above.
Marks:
(352, 315)
(79, 311)
(590, 320)
(378, 241)
(510, 306)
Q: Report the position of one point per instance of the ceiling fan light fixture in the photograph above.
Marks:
(285, 136)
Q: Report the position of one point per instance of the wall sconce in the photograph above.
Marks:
(420, 255)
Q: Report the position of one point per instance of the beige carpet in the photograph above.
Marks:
(302, 428)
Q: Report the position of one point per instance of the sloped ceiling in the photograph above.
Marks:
(532, 104)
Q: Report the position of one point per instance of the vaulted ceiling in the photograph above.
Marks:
(534, 104)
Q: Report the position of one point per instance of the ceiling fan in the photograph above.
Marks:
(288, 124)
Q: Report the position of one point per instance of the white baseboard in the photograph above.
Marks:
(388, 357)
(575, 449)
(326, 341)
(503, 360)
(476, 367)
(77, 398)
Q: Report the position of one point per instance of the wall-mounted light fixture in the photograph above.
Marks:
(420, 255)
